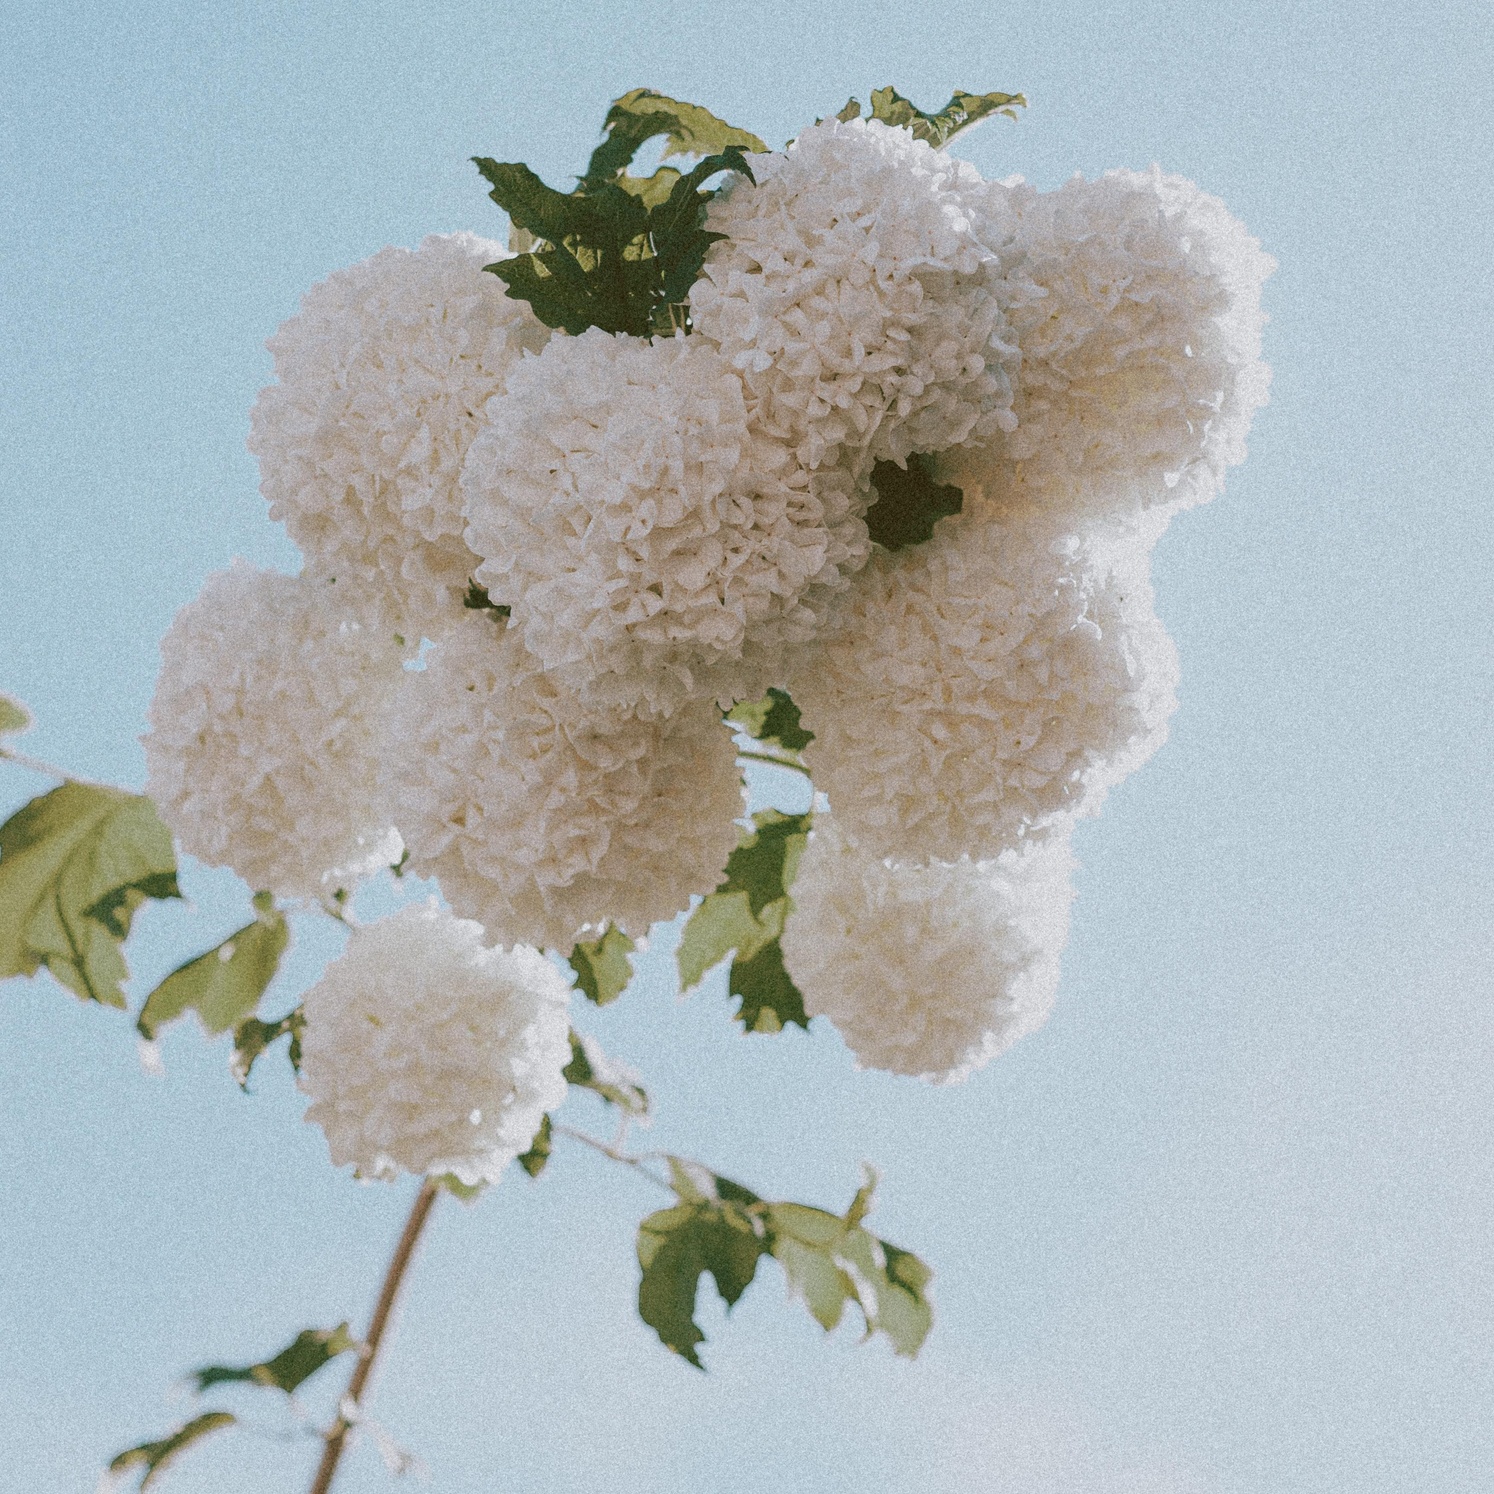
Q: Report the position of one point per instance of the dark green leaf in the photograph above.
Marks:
(153, 1458)
(477, 600)
(590, 1068)
(251, 1038)
(14, 717)
(773, 721)
(75, 864)
(962, 111)
(311, 1349)
(769, 999)
(619, 253)
(675, 1247)
(223, 986)
(602, 967)
(533, 1161)
(908, 503)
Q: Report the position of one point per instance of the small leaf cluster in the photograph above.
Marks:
(744, 918)
(722, 1229)
(310, 1351)
(938, 129)
(619, 252)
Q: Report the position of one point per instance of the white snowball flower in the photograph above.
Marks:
(986, 686)
(1141, 351)
(426, 1053)
(931, 970)
(382, 375)
(654, 550)
(263, 748)
(861, 300)
(541, 826)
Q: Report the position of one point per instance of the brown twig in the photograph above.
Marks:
(399, 1262)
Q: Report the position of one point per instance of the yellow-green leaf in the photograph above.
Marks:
(14, 717)
(602, 967)
(153, 1458)
(223, 986)
(75, 864)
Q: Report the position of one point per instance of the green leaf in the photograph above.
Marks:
(744, 916)
(75, 864)
(618, 1085)
(534, 1160)
(722, 1228)
(773, 721)
(850, 110)
(675, 1248)
(619, 253)
(223, 986)
(311, 1350)
(908, 503)
(962, 111)
(14, 717)
(641, 115)
(155, 1457)
(769, 998)
(766, 858)
(602, 967)
(251, 1038)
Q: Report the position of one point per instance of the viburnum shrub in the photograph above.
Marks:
(840, 458)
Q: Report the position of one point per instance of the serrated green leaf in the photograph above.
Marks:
(850, 110)
(153, 1458)
(75, 865)
(223, 986)
(962, 111)
(619, 253)
(721, 924)
(828, 1259)
(537, 1157)
(773, 721)
(311, 1350)
(618, 1085)
(14, 717)
(767, 857)
(768, 998)
(675, 1248)
(251, 1038)
(908, 503)
(832, 1260)
(744, 917)
(602, 966)
(641, 115)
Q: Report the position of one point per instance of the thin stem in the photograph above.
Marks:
(48, 770)
(399, 1263)
(778, 762)
(638, 1164)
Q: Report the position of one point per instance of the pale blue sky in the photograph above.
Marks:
(1223, 1226)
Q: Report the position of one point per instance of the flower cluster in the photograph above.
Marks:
(427, 1052)
(594, 543)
